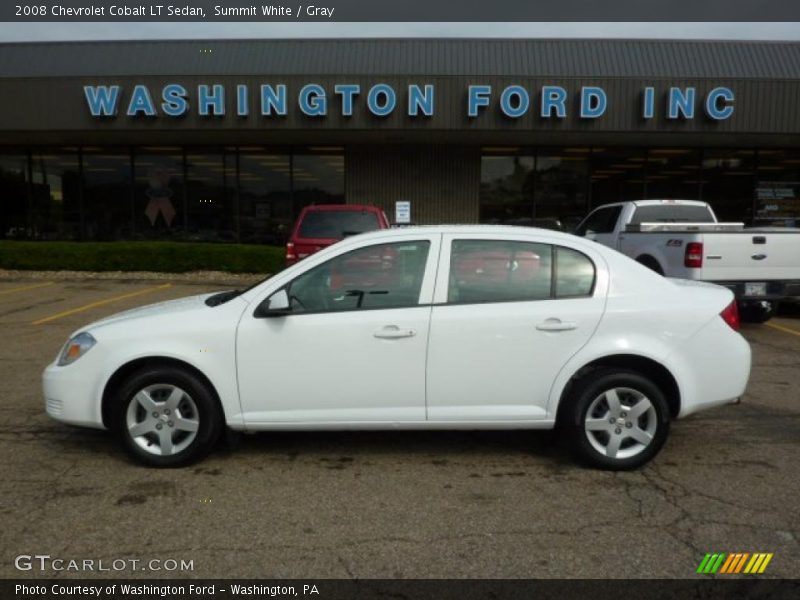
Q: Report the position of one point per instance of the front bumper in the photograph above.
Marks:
(72, 397)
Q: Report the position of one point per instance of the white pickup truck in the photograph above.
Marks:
(683, 239)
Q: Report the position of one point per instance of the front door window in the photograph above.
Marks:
(380, 276)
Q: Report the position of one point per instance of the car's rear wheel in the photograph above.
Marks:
(166, 417)
(757, 311)
(617, 419)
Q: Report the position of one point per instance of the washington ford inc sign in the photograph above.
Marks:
(314, 100)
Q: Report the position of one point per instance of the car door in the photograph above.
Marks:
(351, 346)
(508, 314)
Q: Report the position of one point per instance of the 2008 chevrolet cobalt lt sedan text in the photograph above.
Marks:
(449, 327)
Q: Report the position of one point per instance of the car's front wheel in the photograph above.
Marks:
(166, 417)
(617, 419)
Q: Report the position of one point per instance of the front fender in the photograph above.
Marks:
(210, 349)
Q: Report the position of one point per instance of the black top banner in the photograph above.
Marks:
(401, 11)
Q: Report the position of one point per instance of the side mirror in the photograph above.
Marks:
(276, 305)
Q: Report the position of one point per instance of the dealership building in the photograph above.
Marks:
(226, 140)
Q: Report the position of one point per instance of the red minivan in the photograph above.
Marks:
(320, 226)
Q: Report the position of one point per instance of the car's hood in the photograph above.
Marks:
(170, 307)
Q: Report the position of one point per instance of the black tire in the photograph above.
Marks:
(199, 403)
(587, 392)
(757, 311)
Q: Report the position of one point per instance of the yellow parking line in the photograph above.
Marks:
(784, 329)
(25, 287)
(72, 311)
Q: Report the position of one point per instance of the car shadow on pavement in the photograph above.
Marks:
(446, 444)
(443, 445)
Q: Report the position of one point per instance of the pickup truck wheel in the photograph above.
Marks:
(651, 263)
(618, 419)
(757, 311)
(166, 417)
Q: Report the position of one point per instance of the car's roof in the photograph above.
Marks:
(499, 230)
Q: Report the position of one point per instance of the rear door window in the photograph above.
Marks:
(512, 271)
(499, 271)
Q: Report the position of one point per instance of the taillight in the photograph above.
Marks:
(731, 315)
(290, 255)
(693, 259)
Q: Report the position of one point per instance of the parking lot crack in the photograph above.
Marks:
(346, 567)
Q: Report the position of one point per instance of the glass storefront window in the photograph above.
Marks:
(107, 193)
(506, 194)
(727, 179)
(561, 187)
(14, 198)
(210, 205)
(778, 188)
(158, 193)
(56, 194)
(617, 175)
(318, 178)
(265, 199)
(673, 173)
(253, 194)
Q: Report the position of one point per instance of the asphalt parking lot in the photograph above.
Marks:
(409, 505)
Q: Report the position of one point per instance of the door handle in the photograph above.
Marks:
(393, 332)
(556, 325)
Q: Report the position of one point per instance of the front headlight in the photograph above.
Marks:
(76, 347)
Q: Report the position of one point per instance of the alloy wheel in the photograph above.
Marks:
(162, 419)
(620, 423)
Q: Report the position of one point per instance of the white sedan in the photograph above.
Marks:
(447, 327)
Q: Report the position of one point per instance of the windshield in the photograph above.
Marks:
(330, 224)
(672, 213)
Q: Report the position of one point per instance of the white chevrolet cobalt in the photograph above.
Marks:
(447, 327)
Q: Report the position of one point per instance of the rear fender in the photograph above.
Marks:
(605, 346)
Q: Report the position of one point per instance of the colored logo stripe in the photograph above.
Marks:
(758, 563)
(734, 562)
(711, 563)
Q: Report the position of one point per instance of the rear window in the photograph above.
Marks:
(337, 224)
(672, 213)
(574, 273)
